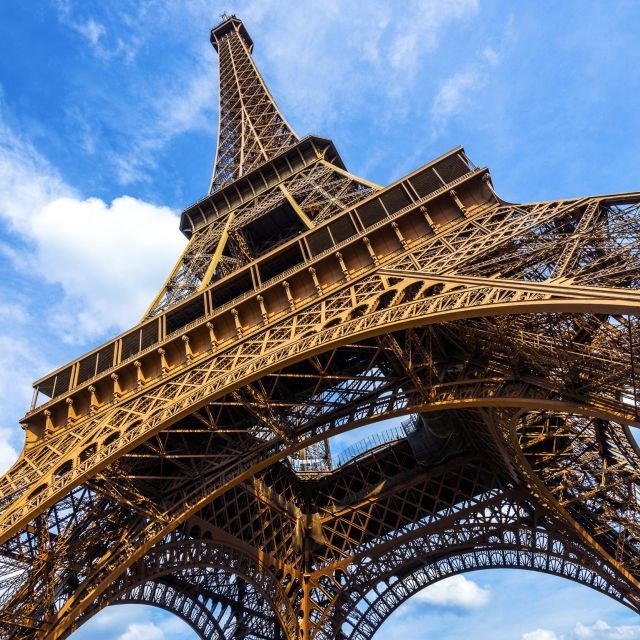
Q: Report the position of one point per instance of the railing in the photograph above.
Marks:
(37, 404)
(367, 444)
(351, 453)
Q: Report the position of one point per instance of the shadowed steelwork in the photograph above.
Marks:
(186, 463)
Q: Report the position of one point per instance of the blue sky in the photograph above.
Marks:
(108, 129)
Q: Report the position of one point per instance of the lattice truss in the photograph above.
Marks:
(318, 191)
(252, 129)
(506, 333)
(514, 407)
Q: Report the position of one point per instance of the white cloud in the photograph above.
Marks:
(109, 259)
(8, 453)
(601, 630)
(457, 592)
(146, 631)
(540, 634)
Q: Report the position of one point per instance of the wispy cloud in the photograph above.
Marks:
(323, 60)
(456, 94)
(598, 630)
(95, 33)
(601, 630)
(352, 52)
(136, 114)
(178, 104)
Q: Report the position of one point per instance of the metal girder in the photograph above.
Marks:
(252, 129)
(183, 464)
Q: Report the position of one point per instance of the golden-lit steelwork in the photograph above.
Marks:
(185, 464)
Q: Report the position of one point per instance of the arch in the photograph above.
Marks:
(209, 585)
(493, 298)
(179, 603)
(211, 619)
(491, 400)
(376, 588)
(156, 420)
(388, 596)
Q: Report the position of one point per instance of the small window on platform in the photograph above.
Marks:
(425, 183)
(280, 262)
(56, 384)
(395, 199)
(272, 229)
(130, 344)
(185, 314)
(232, 288)
(451, 168)
(319, 241)
(371, 212)
(342, 228)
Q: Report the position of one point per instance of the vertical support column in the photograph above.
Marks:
(316, 282)
(212, 335)
(372, 253)
(305, 605)
(454, 196)
(290, 300)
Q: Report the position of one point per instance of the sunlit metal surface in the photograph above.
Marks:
(185, 464)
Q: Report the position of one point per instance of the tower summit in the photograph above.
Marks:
(301, 182)
(186, 463)
(251, 129)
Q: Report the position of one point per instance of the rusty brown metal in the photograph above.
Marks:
(186, 463)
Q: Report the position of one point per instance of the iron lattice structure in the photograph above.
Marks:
(185, 464)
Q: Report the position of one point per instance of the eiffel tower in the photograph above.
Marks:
(186, 463)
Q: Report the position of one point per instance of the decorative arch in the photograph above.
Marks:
(186, 607)
(216, 589)
(212, 618)
(381, 601)
(511, 533)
